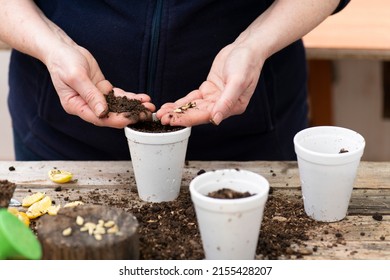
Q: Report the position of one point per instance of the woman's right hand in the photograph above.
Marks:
(81, 86)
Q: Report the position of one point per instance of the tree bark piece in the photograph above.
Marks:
(83, 246)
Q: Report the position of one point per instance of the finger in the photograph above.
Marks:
(165, 109)
(189, 118)
(224, 106)
(198, 113)
(104, 86)
(91, 94)
(113, 120)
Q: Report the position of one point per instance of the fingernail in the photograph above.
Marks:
(217, 119)
(100, 110)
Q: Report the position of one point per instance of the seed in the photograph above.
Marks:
(79, 220)
(99, 230)
(31, 199)
(73, 204)
(279, 218)
(53, 210)
(185, 107)
(113, 229)
(67, 231)
(90, 227)
(109, 224)
(39, 208)
(84, 228)
(98, 237)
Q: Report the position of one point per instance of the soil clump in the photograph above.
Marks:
(121, 104)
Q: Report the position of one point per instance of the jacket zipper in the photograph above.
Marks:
(153, 50)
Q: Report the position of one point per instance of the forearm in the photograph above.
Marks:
(24, 27)
(283, 23)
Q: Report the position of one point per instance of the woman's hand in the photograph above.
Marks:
(227, 91)
(236, 69)
(81, 86)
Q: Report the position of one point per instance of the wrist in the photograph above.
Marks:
(259, 48)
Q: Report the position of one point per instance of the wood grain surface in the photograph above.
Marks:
(363, 237)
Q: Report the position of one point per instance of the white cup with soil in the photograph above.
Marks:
(229, 226)
(328, 160)
(157, 154)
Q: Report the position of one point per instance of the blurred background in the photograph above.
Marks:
(349, 77)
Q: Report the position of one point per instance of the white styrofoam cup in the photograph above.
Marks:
(158, 162)
(328, 160)
(229, 228)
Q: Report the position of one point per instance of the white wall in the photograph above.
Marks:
(6, 141)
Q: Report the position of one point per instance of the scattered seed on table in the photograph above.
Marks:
(67, 231)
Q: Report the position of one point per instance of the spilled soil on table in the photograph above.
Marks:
(169, 230)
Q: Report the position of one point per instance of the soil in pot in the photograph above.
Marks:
(226, 193)
(154, 127)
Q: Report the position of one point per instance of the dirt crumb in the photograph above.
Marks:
(377, 217)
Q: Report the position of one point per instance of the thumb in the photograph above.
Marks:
(93, 95)
(224, 105)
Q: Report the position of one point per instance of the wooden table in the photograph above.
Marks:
(370, 196)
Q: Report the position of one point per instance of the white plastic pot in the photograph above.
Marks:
(158, 162)
(327, 174)
(229, 228)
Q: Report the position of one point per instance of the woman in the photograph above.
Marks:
(241, 62)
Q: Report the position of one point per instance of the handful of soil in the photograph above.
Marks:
(226, 193)
(121, 104)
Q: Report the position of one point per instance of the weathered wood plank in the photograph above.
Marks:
(370, 201)
(371, 175)
(358, 236)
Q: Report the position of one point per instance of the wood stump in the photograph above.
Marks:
(80, 245)
(6, 192)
